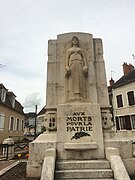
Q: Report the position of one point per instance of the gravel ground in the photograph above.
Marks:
(17, 173)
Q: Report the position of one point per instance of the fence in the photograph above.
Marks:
(11, 151)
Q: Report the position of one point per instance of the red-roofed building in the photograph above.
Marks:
(123, 100)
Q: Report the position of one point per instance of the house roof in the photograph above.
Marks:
(30, 115)
(129, 78)
(10, 93)
(2, 87)
(43, 110)
(18, 107)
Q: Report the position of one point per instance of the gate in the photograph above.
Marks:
(4, 152)
(10, 151)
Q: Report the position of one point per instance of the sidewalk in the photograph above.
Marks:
(4, 164)
(7, 165)
(15, 169)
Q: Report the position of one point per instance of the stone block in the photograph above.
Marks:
(118, 167)
(33, 169)
(84, 174)
(48, 168)
(111, 151)
(82, 164)
(50, 152)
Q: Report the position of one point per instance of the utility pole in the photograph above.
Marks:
(112, 74)
(35, 122)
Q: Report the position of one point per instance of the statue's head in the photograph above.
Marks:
(75, 41)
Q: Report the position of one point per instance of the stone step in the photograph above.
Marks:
(88, 179)
(83, 164)
(84, 174)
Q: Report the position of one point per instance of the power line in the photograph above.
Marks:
(2, 66)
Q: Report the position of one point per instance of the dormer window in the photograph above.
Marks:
(2, 119)
(3, 92)
(12, 100)
(3, 95)
(12, 97)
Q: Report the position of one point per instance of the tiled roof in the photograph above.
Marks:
(129, 78)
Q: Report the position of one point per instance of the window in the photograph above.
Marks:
(17, 125)
(2, 119)
(11, 124)
(3, 95)
(119, 101)
(125, 122)
(22, 128)
(131, 99)
(133, 121)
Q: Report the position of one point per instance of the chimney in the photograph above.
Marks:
(131, 67)
(111, 82)
(127, 68)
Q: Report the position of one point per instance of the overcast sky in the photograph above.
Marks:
(27, 25)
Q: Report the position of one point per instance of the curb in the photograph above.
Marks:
(3, 171)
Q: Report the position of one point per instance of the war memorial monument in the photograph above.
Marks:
(80, 142)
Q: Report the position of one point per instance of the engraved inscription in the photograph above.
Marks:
(79, 121)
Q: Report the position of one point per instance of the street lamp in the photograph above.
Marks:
(35, 122)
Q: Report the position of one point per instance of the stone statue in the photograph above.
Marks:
(76, 70)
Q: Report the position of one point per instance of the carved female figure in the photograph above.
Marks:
(76, 70)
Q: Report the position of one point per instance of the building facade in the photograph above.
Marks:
(11, 115)
(123, 92)
(30, 123)
(41, 121)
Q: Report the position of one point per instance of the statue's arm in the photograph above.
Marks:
(84, 59)
(67, 59)
(85, 67)
(68, 70)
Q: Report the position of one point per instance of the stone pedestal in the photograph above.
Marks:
(38, 151)
(79, 131)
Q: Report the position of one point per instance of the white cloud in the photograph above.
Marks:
(32, 100)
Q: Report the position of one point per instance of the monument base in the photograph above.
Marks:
(79, 131)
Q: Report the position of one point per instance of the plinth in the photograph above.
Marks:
(79, 131)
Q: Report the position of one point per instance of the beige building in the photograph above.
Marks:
(11, 115)
(124, 99)
(41, 121)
